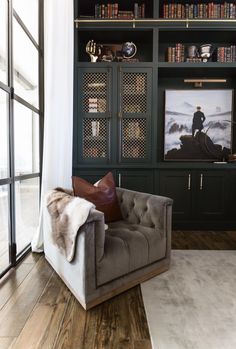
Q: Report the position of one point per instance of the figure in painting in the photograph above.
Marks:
(198, 120)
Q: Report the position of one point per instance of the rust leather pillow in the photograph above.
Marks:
(103, 195)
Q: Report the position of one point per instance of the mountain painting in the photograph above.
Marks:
(198, 125)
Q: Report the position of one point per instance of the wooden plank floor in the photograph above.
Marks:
(38, 311)
(204, 240)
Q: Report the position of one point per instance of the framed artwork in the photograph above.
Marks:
(198, 125)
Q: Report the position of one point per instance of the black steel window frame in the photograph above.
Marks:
(14, 257)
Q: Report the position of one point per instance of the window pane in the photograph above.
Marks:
(27, 211)
(26, 139)
(3, 134)
(4, 228)
(28, 12)
(25, 61)
(3, 41)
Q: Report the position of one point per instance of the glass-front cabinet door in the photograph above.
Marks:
(95, 115)
(134, 87)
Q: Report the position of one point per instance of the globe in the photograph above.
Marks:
(129, 50)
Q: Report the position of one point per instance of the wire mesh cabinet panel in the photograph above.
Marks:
(94, 109)
(135, 88)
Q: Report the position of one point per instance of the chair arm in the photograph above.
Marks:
(96, 218)
(145, 209)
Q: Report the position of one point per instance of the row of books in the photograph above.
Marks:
(226, 54)
(212, 10)
(111, 11)
(96, 105)
(175, 54)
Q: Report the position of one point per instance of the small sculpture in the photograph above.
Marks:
(193, 52)
(206, 52)
(93, 50)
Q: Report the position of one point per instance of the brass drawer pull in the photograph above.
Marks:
(119, 180)
(201, 181)
(189, 182)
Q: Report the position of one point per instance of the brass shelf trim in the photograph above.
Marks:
(199, 82)
(185, 21)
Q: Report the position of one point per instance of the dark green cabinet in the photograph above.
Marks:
(112, 129)
(134, 114)
(201, 197)
(135, 180)
(177, 185)
(94, 115)
(211, 195)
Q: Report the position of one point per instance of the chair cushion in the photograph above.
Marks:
(102, 195)
(129, 247)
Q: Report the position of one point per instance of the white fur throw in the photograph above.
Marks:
(68, 213)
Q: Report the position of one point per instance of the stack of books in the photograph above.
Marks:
(96, 105)
(212, 10)
(111, 11)
(125, 15)
(176, 54)
(93, 105)
(226, 54)
(193, 60)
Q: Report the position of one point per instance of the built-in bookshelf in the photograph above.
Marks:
(120, 102)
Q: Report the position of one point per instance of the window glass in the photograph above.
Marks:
(26, 140)
(4, 172)
(27, 211)
(4, 227)
(25, 64)
(27, 10)
(3, 41)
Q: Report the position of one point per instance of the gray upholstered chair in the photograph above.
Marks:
(127, 253)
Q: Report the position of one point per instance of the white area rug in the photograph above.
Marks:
(193, 305)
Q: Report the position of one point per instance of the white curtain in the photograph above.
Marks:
(58, 122)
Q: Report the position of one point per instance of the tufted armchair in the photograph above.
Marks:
(108, 262)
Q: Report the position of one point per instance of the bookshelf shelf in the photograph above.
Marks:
(155, 22)
(218, 65)
(111, 44)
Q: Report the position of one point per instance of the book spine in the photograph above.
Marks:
(139, 12)
(96, 9)
(116, 9)
(102, 11)
(143, 10)
(136, 10)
